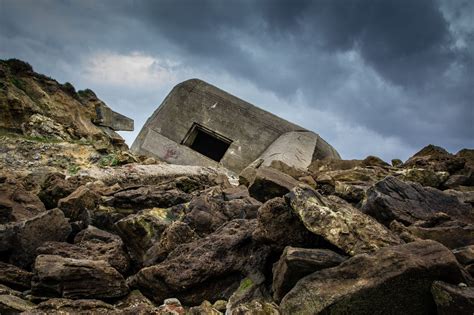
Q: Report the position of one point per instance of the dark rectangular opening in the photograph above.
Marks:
(207, 142)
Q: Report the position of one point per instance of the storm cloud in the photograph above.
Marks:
(372, 77)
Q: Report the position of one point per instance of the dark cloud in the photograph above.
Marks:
(400, 69)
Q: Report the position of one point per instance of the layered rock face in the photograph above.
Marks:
(124, 234)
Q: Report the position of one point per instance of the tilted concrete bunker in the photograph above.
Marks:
(200, 124)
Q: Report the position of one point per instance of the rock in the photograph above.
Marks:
(436, 159)
(172, 307)
(349, 192)
(174, 235)
(456, 180)
(374, 161)
(256, 307)
(78, 205)
(40, 126)
(465, 255)
(136, 303)
(393, 280)
(296, 263)
(149, 197)
(270, 183)
(209, 268)
(339, 223)
(294, 172)
(278, 227)
(397, 162)
(59, 306)
(451, 299)
(391, 199)
(463, 196)
(17, 204)
(56, 276)
(23, 238)
(54, 188)
(425, 177)
(10, 305)
(140, 231)
(208, 211)
(206, 308)
(247, 292)
(14, 277)
(451, 233)
(94, 245)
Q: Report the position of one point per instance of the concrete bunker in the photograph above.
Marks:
(200, 124)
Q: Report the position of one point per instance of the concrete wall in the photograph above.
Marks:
(250, 128)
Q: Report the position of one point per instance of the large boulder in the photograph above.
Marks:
(209, 268)
(269, 183)
(61, 306)
(278, 227)
(14, 277)
(92, 244)
(339, 223)
(78, 205)
(435, 158)
(451, 299)
(393, 280)
(56, 276)
(140, 231)
(392, 199)
(12, 305)
(21, 239)
(17, 204)
(54, 188)
(296, 263)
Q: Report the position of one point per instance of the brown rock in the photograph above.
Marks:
(57, 276)
(206, 269)
(77, 205)
(11, 305)
(451, 299)
(279, 227)
(59, 306)
(149, 197)
(270, 183)
(17, 204)
(393, 280)
(296, 263)
(55, 188)
(339, 223)
(15, 277)
(465, 255)
(391, 199)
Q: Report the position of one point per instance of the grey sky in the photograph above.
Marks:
(372, 77)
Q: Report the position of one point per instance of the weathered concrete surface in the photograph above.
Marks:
(294, 148)
(195, 101)
(107, 117)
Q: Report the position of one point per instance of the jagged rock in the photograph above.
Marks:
(135, 303)
(397, 162)
(206, 308)
(4, 290)
(15, 277)
(350, 192)
(279, 227)
(391, 199)
(288, 170)
(208, 211)
(56, 187)
(339, 223)
(18, 204)
(174, 235)
(171, 307)
(235, 192)
(56, 276)
(11, 305)
(465, 196)
(393, 280)
(149, 197)
(456, 180)
(78, 205)
(59, 306)
(22, 239)
(450, 233)
(91, 245)
(270, 183)
(451, 299)
(206, 269)
(247, 292)
(256, 307)
(425, 177)
(44, 127)
(296, 263)
(465, 255)
(140, 231)
(436, 159)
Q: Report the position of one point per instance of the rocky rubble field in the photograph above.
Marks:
(121, 234)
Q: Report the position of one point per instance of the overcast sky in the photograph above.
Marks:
(372, 77)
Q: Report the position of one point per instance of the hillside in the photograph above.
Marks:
(86, 227)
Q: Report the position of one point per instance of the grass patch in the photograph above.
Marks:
(73, 169)
(108, 160)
